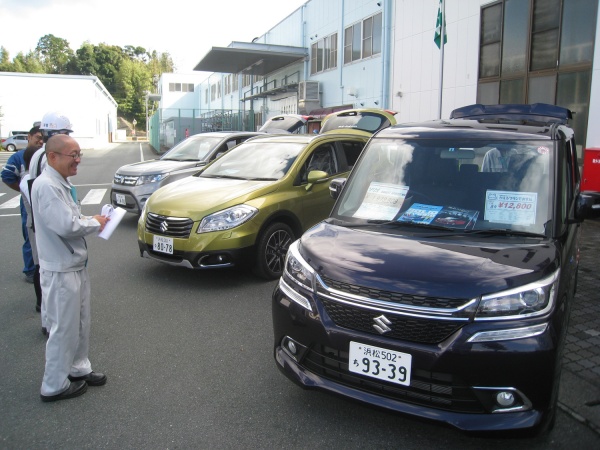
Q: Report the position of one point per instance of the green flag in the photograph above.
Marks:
(438, 27)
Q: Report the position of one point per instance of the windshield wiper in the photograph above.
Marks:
(204, 175)
(261, 179)
(505, 232)
(372, 222)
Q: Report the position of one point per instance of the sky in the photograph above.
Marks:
(186, 29)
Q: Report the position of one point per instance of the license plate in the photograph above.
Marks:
(380, 363)
(120, 198)
(163, 244)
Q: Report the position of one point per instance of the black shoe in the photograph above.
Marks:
(38, 309)
(44, 331)
(92, 378)
(74, 390)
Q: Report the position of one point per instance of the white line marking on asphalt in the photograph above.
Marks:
(94, 197)
(12, 203)
(141, 153)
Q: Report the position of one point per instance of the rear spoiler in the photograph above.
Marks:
(536, 112)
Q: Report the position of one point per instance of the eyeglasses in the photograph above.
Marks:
(74, 156)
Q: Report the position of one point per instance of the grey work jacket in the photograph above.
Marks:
(59, 226)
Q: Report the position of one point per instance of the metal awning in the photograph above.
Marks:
(250, 57)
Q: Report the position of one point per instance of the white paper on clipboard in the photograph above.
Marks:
(115, 215)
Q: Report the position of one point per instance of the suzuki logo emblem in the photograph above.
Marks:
(381, 324)
(164, 226)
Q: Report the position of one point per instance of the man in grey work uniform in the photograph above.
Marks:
(60, 230)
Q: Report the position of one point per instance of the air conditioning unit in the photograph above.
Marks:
(308, 91)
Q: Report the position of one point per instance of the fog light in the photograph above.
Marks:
(292, 347)
(505, 399)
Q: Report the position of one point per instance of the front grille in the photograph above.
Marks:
(393, 297)
(427, 331)
(177, 227)
(125, 180)
(432, 389)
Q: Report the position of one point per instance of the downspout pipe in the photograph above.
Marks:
(386, 48)
(341, 54)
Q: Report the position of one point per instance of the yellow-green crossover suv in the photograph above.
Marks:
(254, 201)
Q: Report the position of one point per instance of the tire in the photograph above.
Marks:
(11, 147)
(271, 249)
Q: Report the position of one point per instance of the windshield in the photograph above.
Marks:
(458, 185)
(268, 161)
(192, 149)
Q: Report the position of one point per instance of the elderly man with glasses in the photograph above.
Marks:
(60, 236)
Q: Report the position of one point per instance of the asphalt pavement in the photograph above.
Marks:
(580, 384)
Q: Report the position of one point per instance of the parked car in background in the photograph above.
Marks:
(250, 204)
(441, 284)
(134, 183)
(14, 143)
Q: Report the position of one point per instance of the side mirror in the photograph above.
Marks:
(587, 205)
(336, 186)
(316, 176)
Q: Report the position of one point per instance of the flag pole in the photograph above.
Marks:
(442, 36)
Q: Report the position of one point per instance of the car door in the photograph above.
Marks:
(334, 158)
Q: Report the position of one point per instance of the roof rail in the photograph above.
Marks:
(536, 112)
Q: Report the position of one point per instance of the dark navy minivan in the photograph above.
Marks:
(440, 286)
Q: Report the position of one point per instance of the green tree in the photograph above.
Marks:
(29, 63)
(55, 54)
(5, 64)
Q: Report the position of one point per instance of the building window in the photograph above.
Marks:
(323, 54)
(181, 87)
(363, 39)
(534, 51)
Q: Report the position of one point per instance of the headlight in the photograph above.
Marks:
(155, 178)
(297, 269)
(530, 300)
(226, 219)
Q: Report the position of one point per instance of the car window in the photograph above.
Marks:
(365, 121)
(224, 148)
(351, 151)
(322, 158)
(192, 149)
(443, 183)
(256, 160)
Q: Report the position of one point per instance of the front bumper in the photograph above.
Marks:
(202, 251)
(133, 200)
(453, 381)
(198, 260)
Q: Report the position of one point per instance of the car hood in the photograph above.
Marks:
(195, 197)
(157, 166)
(424, 267)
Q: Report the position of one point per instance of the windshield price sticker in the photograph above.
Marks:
(382, 201)
(163, 244)
(516, 208)
(380, 363)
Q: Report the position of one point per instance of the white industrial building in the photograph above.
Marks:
(25, 97)
(334, 54)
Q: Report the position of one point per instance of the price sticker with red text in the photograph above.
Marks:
(515, 208)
